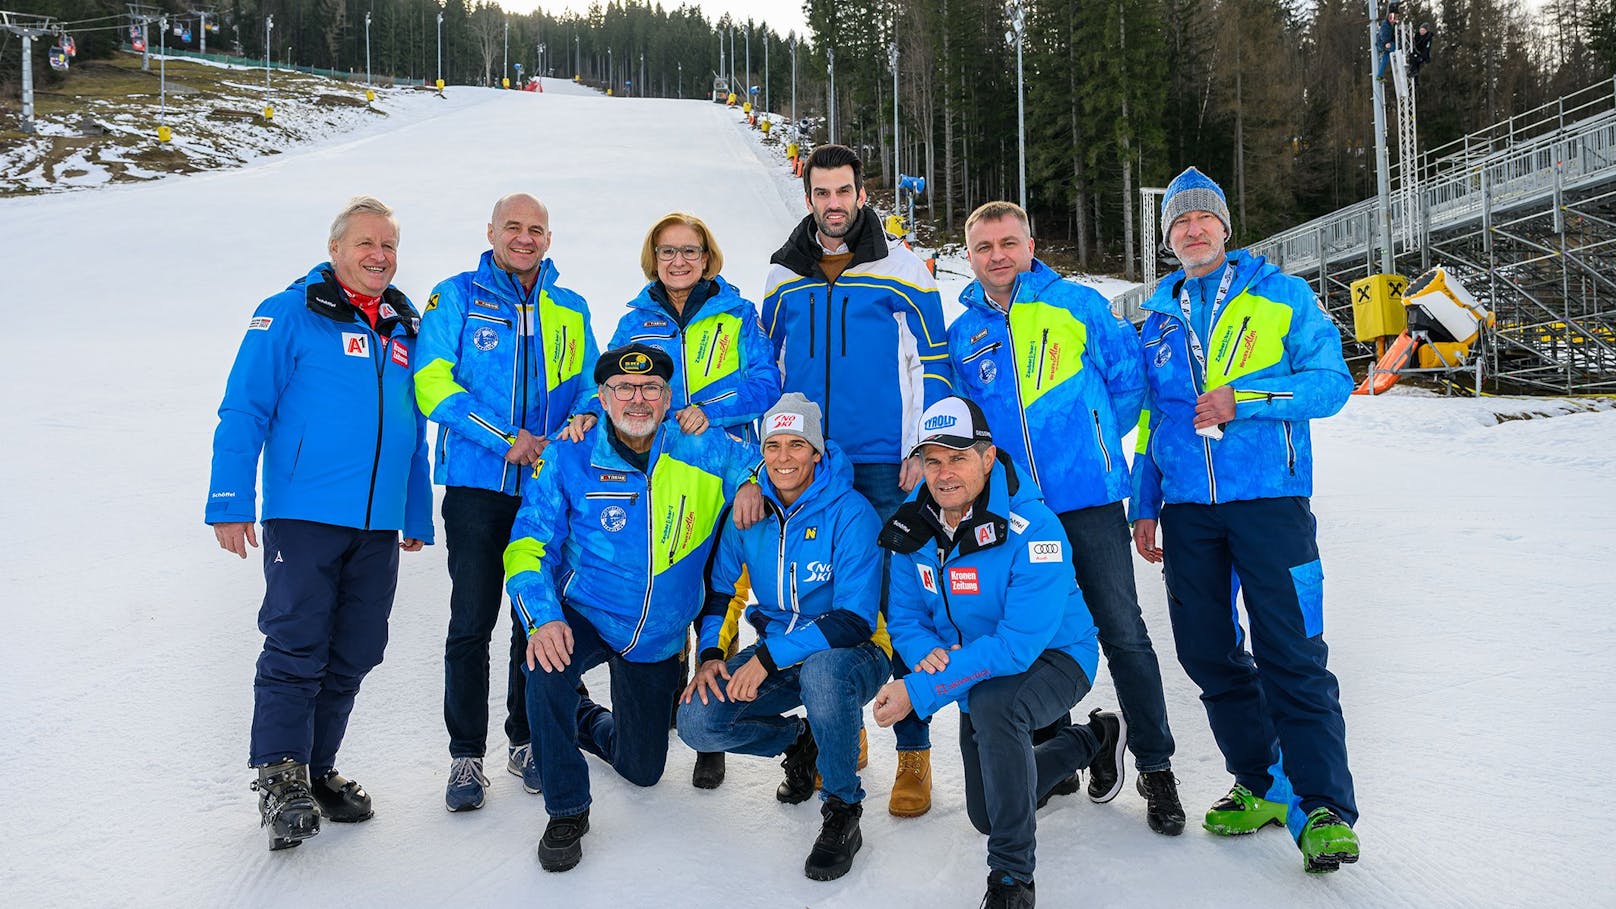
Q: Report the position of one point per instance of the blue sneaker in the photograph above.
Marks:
(521, 764)
(467, 785)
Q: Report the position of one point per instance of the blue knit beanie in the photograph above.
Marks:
(1193, 191)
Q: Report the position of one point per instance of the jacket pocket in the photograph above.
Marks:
(1309, 582)
(1099, 439)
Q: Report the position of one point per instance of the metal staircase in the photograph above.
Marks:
(1524, 212)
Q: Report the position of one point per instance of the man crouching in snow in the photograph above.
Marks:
(606, 565)
(982, 584)
(816, 572)
(321, 387)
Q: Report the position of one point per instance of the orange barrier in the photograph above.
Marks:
(1384, 373)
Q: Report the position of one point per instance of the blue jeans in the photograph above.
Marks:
(328, 592)
(632, 737)
(476, 529)
(878, 484)
(1102, 551)
(1005, 774)
(834, 685)
(1276, 718)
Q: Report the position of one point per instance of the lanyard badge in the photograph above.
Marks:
(1213, 432)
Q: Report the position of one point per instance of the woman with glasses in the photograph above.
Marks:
(724, 375)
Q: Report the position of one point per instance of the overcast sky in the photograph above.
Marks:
(781, 15)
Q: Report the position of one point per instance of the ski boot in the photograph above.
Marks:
(1327, 842)
(286, 809)
(1240, 813)
(342, 800)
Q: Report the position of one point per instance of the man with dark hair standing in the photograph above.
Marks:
(504, 361)
(858, 327)
(1059, 374)
(1238, 359)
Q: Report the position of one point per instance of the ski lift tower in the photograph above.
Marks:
(1408, 144)
(28, 27)
(143, 16)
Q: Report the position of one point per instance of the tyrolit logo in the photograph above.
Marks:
(941, 421)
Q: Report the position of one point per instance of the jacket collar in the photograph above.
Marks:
(1030, 285)
(1248, 269)
(607, 455)
(801, 252)
(322, 294)
(501, 283)
(988, 525)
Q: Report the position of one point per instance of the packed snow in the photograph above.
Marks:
(1468, 605)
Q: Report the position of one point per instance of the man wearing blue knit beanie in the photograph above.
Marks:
(1238, 358)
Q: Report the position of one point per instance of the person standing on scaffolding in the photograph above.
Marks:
(1386, 41)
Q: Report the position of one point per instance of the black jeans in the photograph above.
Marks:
(476, 529)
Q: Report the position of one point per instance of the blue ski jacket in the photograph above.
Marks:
(869, 348)
(495, 359)
(723, 362)
(328, 402)
(1001, 587)
(627, 549)
(1060, 381)
(1281, 354)
(813, 566)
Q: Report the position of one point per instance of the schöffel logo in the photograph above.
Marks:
(941, 421)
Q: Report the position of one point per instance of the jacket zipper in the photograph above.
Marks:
(983, 352)
(650, 574)
(1043, 348)
(844, 325)
(1099, 438)
(380, 362)
(780, 563)
(813, 324)
(678, 520)
(942, 590)
(1021, 410)
(1290, 448)
(1233, 352)
(796, 611)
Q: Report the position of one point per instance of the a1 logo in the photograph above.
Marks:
(355, 344)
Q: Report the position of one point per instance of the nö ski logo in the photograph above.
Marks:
(613, 518)
(819, 571)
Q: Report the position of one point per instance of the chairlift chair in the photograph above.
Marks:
(69, 45)
(58, 59)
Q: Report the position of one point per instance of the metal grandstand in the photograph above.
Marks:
(1523, 212)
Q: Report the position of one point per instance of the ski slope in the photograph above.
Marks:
(1469, 588)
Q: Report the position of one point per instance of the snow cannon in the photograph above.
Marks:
(1446, 316)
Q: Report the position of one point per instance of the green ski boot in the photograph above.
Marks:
(1240, 813)
(1327, 842)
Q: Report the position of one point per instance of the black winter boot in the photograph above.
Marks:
(1005, 892)
(342, 800)
(839, 840)
(709, 772)
(560, 849)
(1106, 770)
(1163, 811)
(286, 809)
(799, 765)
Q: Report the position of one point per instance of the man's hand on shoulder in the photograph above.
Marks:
(748, 507)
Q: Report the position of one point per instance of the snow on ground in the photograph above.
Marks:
(1467, 564)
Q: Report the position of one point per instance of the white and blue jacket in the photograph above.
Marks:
(1001, 587)
(627, 549)
(813, 565)
(328, 401)
(494, 359)
(868, 348)
(1060, 381)
(1282, 355)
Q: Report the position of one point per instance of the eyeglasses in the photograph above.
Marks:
(624, 391)
(668, 253)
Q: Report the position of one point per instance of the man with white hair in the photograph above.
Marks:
(321, 388)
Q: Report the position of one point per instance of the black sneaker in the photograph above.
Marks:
(799, 765)
(286, 808)
(1163, 812)
(342, 800)
(560, 848)
(1066, 786)
(839, 840)
(709, 772)
(1005, 892)
(1105, 772)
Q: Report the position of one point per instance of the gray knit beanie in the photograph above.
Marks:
(797, 415)
(1193, 191)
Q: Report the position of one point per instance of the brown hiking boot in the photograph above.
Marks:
(911, 789)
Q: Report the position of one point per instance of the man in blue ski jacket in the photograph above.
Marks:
(606, 565)
(983, 591)
(321, 389)
(816, 571)
(1059, 374)
(504, 362)
(858, 327)
(1238, 358)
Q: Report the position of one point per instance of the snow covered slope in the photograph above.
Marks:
(1469, 592)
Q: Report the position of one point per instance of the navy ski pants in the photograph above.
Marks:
(328, 592)
(1278, 716)
(477, 528)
